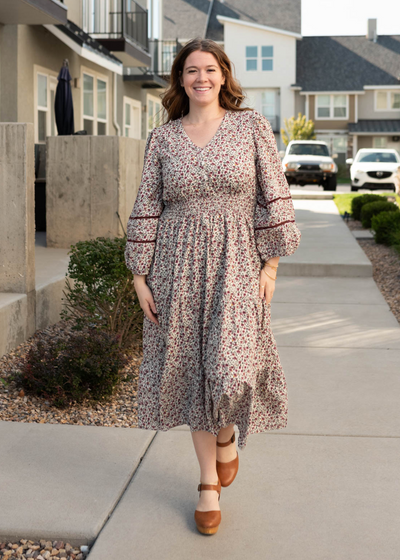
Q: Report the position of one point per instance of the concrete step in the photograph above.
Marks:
(63, 481)
(327, 246)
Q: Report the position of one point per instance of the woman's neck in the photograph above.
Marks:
(199, 114)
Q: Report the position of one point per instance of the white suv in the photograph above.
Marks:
(375, 169)
(309, 162)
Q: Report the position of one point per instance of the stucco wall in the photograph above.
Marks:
(237, 37)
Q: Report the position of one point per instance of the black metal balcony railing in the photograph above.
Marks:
(163, 54)
(120, 23)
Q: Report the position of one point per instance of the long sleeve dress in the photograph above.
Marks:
(203, 223)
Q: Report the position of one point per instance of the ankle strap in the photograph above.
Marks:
(227, 442)
(216, 487)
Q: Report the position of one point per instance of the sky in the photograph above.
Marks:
(349, 17)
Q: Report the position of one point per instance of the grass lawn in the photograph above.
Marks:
(343, 201)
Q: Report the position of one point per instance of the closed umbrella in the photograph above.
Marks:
(63, 106)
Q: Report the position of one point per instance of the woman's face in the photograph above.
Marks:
(202, 77)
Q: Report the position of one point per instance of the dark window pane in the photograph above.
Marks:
(88, 126)
(267, 64)
(101, 128)
(267, 52)
(42, 117)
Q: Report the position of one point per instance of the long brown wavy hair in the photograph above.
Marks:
(175, 100)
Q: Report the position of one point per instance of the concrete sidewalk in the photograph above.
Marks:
(325, 488)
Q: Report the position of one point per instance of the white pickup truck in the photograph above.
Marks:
(308, 162)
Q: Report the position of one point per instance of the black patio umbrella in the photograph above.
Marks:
(63, 106)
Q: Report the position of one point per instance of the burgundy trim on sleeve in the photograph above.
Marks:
(276, 225)
(142, 217)
(274, 200)
(141, 241)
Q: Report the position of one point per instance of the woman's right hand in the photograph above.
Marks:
(145, 296)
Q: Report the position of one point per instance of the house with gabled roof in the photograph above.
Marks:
(350, 87)
(260, 39)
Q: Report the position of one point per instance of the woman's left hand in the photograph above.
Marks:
(267, 286)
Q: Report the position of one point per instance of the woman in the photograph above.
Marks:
(213, 206)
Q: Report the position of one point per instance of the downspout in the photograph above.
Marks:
(115, 122)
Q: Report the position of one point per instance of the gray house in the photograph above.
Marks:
(350, 88)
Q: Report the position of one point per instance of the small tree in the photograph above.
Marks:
(298, 129)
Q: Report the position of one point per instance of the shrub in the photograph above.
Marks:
(358, 202)
(395, 240)
(102, 293)
(385, 225)
(373, 208)
(72, 367)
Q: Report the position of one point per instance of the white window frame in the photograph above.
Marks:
(331, 107)
(155, 100)
(96, 76)
(246, 58)
(51, 77)
(267, 58)
(389, 93)
(375, 143)
(133, 104)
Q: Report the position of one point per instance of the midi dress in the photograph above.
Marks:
(203, 223)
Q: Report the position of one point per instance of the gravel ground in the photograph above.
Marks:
(386, 268)
(120, 410)
(41, 550)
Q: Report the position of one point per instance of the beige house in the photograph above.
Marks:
(113, 48)
(350, 88)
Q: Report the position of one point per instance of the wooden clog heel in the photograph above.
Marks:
(208, 522)
(227, 471)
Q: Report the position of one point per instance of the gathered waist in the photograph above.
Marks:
(212, 205)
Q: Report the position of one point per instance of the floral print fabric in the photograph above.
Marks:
(203, 222)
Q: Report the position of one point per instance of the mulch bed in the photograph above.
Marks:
(386, 268)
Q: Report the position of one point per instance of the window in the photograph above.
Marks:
(45, 91)
(309, 150)
(267, 54)
(153, 112)
(94, 104)
(132, 118)
(380, 142)
(387, 101)
(251, 58)
(331, 107)
(378, 157)
(268, 108)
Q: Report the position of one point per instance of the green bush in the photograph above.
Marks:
(358, 202)
(395, 240)
(72, 367)
(102, 292)
(385, 225)
(373, 208)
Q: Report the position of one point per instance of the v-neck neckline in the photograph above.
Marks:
(211, 140)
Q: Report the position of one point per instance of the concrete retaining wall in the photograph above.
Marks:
(88, 180)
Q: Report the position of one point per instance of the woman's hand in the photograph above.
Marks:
(267, 284)
(145, 296)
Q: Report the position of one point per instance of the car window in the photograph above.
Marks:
(378, 157)
(309, 150)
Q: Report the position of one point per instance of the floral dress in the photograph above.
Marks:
(204, 221)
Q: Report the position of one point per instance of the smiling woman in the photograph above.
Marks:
(213, 204)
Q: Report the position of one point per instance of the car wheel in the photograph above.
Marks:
(330, 184)
(353, 188)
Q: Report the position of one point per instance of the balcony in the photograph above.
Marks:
(122, 32)
(32, 12)
(157, 75)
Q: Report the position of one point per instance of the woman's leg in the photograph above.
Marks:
(228, 453)
(205, 445)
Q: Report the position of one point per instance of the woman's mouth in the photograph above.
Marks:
(202, 89)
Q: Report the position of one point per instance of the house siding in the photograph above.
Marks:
(366, 108)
